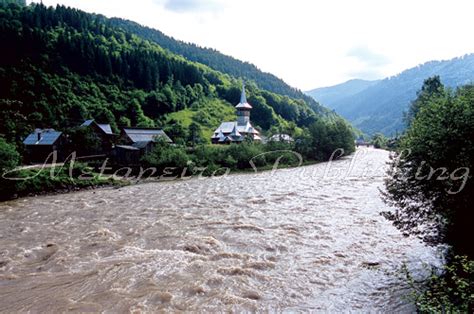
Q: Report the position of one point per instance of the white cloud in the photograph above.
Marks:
(367, 56)
(370, 64)
(310, 43)
(192, 6)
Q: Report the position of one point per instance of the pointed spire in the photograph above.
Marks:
(235, 132)
(243, 104)
(243, 97)
(221, 135)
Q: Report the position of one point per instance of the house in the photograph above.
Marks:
(104, 134)
(102, 129)
(240, 130)
(42, 142)
(281, 138)
(143, 138)
(134, 143)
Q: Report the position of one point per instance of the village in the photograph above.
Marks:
(222, 156)
(133, 143)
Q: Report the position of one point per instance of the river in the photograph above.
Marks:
(308, 238)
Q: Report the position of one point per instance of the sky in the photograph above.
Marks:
(310, 43)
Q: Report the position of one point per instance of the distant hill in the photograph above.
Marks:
(378, 106)
(333, 94)
(217, 61)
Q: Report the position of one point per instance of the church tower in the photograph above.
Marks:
(237, 131)
(243, 109)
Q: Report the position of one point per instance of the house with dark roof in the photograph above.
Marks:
(134, 143)
(104, 133)
(237, 131)
(42, 142)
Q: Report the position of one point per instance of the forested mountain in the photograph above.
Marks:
(19, 2)
(217, 61)
(333, 94)
(380, 107)
(60, 66)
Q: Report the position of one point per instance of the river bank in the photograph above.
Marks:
(52, 180)
(296, 239)
(46, 180)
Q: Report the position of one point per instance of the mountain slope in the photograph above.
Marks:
(217, 61)
(60, 66)
(334, 94)
(380, 107)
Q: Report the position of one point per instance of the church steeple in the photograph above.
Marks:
(237, 131)
(243, 97)
(243, 108)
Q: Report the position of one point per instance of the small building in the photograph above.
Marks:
(361, 142)
(42, 142)
(101, 128)
(127, 155)
(134, 143)
(104, 134)
(143, 138)
(240, 130)
(285, 138)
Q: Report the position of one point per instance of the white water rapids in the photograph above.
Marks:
(308, 238)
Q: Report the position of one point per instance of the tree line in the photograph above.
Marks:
(219, 62)
(430, 185)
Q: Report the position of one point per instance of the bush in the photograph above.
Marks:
(325, 137)
(379, 140)
(39, 181)
(9, 157)
(245, 152)
(452, 291)
(204, 155)
(164, 155)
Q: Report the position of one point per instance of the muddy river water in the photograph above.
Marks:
(308, 238)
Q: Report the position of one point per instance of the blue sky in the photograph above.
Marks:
(310, 43)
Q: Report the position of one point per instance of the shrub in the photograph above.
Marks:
(325, 137)
(164, 155)
(452, 291)
(9, 157)
(245, 152)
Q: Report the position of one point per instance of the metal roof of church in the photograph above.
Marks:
(228, 127)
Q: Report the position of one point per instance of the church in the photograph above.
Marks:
(237, 131)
